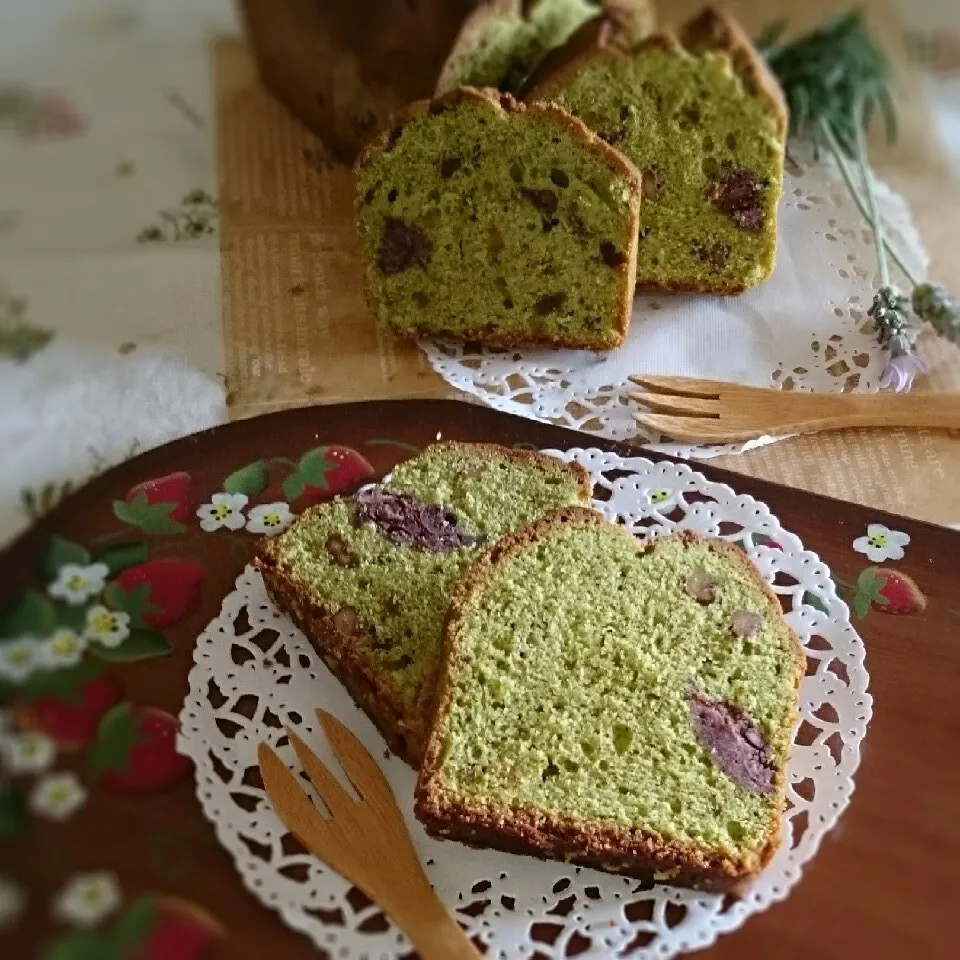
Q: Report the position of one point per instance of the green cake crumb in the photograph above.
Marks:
(575, 665)
(402, 594)
(481, 220)
(710, 152)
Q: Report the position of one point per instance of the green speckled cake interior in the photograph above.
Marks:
(403, 593)
(483, 222)
(511, 46)
(689, 125)
(574, 669)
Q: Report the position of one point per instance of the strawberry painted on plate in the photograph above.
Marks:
(174, 588)
(173, 488)
(135, 750)
(70, 718)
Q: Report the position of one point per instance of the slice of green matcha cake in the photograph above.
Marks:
(368, 579)
(705, 122)
(624, 706)
(485, 220)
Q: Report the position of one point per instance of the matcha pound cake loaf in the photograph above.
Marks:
(623, 706)
(369, 579)
(705, 122)
(486, 220)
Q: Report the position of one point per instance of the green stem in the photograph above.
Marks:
(845, 172)
(110, 537)
(876, 223)
(283, 461)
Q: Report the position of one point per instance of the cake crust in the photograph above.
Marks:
(591, 843)
(346, 655)
(497, 102)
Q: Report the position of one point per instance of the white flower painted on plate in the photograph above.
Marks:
(19, 658)
(269, 519)
(224, 510)
(881, 543)
(107, 627)
(28, 753)
(77, 583)
(64, 648)
(12, 902)
(87, 899)
(57, 796)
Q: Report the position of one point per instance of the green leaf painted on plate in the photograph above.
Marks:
(135, 602)
(868, 592)
(135, 924)
(250, 480)
(71, 616)
(31, 614)
(82, 946)
(314, 467)
(861, 605)
(122, 556)
(815, 601)
(293, 487)
(64, 683)
(141, 644)
(13, 814)
(117, 735)
(59, 553)
(151, 518)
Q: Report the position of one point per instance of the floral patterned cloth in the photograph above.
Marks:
(110, 325)
(110, 322)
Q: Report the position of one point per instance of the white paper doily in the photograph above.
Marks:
(806, 328)
(254, 672)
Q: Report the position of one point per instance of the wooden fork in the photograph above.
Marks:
(710, 411)
(365, 841)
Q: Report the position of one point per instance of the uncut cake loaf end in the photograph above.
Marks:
(368, 579)
(621, 705)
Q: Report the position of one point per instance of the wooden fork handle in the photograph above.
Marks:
(887, 410)
(434, 932)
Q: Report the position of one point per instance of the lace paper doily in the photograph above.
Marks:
(255, 672)
(806, 328)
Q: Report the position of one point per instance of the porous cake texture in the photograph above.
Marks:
(620, 705)
(486, 220)
(704, 121)
(368, 579)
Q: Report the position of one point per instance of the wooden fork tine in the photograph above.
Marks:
(334, 796)
(364, 772)
(693, 429)
(680, 386)
(678, 405)
(300, 815)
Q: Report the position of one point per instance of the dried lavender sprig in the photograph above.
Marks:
(843, 165)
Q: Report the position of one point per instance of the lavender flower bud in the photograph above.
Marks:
(889, 314)
(934, 303)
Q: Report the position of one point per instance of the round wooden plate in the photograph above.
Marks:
(143, 556)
